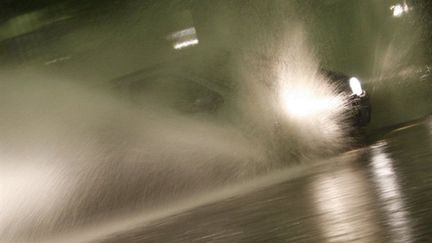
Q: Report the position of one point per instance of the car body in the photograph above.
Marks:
(192, 93)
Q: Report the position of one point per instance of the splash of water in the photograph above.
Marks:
(72, 156)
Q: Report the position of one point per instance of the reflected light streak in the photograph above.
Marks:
(343, 206)
(390, 194)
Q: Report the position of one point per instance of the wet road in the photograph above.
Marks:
(380, 193)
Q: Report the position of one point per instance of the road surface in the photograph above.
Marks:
(379, 193)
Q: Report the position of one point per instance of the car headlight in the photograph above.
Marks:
(355, 86)
(302, 103)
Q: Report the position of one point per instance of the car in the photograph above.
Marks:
(189, 92)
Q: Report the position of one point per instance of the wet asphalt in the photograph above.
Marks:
(381, 192)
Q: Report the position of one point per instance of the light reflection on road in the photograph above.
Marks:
(342, 203)
(379, 193)
(389, 194)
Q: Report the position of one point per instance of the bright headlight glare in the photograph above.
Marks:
(355, 86)
(304, 103)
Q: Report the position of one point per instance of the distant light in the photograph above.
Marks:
(184, 38)
(399, 9)
(355, 86)
(183, 44)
